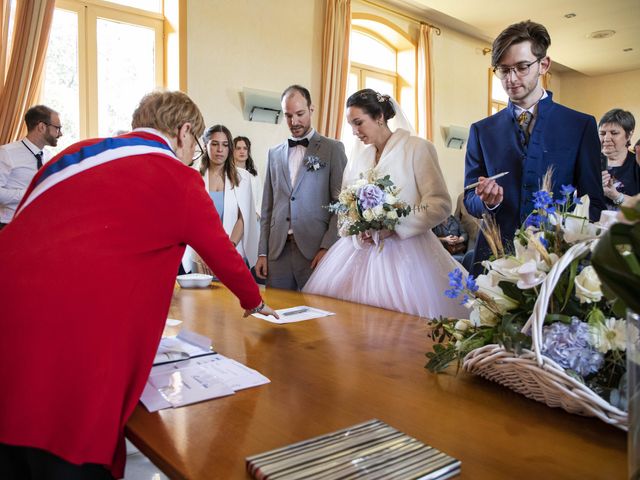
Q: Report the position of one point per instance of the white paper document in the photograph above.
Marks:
(186, 344)
(295, 314)
(197, 379)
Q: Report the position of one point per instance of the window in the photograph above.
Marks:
(498, 98)
(381, 58)
(100, 61)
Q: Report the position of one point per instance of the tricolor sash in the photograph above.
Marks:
(86, 157)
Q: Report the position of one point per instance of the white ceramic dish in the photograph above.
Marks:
(194, 280)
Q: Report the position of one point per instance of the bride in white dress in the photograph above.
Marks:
(409, 274)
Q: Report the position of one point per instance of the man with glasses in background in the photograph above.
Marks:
(525, 139)
(19, 161)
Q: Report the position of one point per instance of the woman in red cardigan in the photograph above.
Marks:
(87, 270)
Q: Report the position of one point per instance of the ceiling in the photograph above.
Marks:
(570, 42)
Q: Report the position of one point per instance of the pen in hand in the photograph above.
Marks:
(474, 185)
(295, 312)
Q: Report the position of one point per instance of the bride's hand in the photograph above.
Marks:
(367, 238)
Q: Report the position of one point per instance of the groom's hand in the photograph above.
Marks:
(318, 257)
(261, 267)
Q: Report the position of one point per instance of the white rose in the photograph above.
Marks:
(361, 182)
(481, 316)
(588, 286)
(463, 325)
(392, 215)
(368, 215)
(390, 199)
(345, 197)
(530, 275)
(378, 211)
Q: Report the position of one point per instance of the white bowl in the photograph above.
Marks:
(194, 280)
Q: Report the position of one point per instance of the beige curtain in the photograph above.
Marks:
(335, 67)
(425, 84)
(546, 80)
(21, 76)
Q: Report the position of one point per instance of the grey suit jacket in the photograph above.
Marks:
(302, 205)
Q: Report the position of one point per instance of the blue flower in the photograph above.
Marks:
(568, 345)
(544, 242)
(472, 286)
(567, 190)
(452, 293)
(455, 279)
(542, 199)
(533, 220)
(561, 201)
(465, 299)
(577, 201)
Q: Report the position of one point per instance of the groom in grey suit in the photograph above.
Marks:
(304, 175)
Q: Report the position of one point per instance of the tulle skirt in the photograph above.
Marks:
(407, 275)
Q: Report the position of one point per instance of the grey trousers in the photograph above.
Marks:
(290, 270)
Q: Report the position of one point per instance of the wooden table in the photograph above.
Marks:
(361, 363)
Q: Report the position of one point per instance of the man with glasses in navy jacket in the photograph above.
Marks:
(525, 139)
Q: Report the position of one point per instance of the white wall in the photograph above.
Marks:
(461, 96)
(266, 45)
(597, 95)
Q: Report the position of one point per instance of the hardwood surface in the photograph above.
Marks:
(362, 363)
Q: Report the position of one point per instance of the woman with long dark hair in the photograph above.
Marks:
(243, 159)
(230, 190)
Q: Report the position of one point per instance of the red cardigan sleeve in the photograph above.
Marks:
(205, 234)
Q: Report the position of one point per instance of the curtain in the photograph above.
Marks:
(425, 85)
(335, 67)
(20, 83)
(546, 80)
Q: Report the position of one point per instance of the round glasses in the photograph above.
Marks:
(520, 69)
(199, 151)
(57, 127)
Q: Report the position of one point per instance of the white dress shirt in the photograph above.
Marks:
(296, 155)
(18, 165)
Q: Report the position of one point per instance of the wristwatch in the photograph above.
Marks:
(258, 308)
(619, 199)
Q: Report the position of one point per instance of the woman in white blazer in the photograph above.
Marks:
(231, 192)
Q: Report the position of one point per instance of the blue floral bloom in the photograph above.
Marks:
(561, 201)
(568, 345)
(577, 201)
(544, 242)
(465, 299)
(533, 220)
(455, 279)
(472, 286)
(567, 190)
(451, 293)
(542, 199)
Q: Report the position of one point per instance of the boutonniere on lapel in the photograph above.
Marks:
(313, 163)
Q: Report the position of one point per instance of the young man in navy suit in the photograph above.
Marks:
(532, 134)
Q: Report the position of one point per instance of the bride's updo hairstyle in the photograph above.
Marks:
(372, 103)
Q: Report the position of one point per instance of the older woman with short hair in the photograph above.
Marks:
(621, 178)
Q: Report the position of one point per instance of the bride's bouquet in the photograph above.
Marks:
(371, 203)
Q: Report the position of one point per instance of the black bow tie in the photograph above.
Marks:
(294, 143)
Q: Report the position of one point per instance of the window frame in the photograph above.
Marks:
(88, 12)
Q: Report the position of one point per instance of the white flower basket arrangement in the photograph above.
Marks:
(537, 376)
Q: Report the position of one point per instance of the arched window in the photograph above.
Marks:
(383, 58)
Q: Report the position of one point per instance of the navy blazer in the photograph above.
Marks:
(563, 138)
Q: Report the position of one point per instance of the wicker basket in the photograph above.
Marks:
(536, 376)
